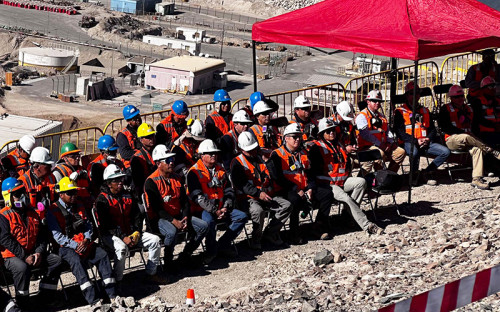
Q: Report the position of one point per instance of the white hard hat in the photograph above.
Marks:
(41, 155)
(207, 146)
(456, 90)
(293, 128)
(261, 107)
(196, 128)
(374, 95)
(27, 143)
(344, 109)
(247, 142)
(325, 124)
(112, 172)
(161, 152)
(241, 116)
(301, 102)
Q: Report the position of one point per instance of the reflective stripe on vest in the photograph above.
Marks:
(168, 124)
(379, 133)
(294, 172)
(453, 113)
(220, 122)
(26, 236)
(479, 76)
(212, 192)
(420, 127)
(170, 192)
(250, 174)
(120, 210)
(337, 171)
(34, 190)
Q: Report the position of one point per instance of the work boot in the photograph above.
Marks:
(208, 258)
(374, 229)
(429, 179)
(481, 184)
(228, 252)
(254, 244)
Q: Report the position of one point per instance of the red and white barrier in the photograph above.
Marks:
(40, 6)
(452, 295)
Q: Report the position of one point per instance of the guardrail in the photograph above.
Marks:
(357, 88)
(84, 138)
(322, 98)
(200, 111)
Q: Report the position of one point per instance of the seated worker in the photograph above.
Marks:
(174, 125)
(486, 108)
(18, 159)
(373, 133)
(455, 121)
(169, 211)
(69, 166)
(39, 180)
(267, 136)
(289, 167)
(185, 148)
(71, 229)
(24, 246)
(219, 123)
(477, 72)
(229, 142)
(95, 168)
(302, 116)
(425, 136)
(332, 168)
(142, 163)
(212, 196)
(346, 134)
(255, 194)
(120, 226)
(128, 143)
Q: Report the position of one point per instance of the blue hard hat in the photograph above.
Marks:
(221, 95)
(255, 97)
(11, 184)
(180, 107)
(130, 111)
(107, 143)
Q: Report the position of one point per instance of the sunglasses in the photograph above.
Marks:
(71, 193)
(265, 113)
(296, 137)
(211, 154)
(305, 109)
(74, 156)
(328, 131)
(168, 160)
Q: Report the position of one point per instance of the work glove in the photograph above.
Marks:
(135, 237)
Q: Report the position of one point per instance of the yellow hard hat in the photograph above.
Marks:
(66, 184)
(145, 130)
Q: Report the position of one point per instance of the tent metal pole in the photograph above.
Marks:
(394, 81)
(254, 63)
(412, 147)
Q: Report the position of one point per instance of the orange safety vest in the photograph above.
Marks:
(132, 141)
(81, 182)
(147, 161)
(489, 112)
(234, 137)
(294, 168)
(170, 192)
(120, 209)
(264, 179)
(345, 137)
(220, 122)
(21, 164)
(453, 112)
(303, 127)
(479, 76)
(189, 154)
(37, 191)
(168, 124)
(379, 133)
(100, 160)
(214, 191)
(25, 234)
(258, 131)
(420, 127)
(336, 167)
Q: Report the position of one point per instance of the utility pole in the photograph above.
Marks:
(222, 40)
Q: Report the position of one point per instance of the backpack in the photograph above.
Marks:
(384, 180)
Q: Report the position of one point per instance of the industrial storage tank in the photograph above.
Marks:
(48, 57)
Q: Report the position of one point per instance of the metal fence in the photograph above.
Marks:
(357, 88)
(217, 13)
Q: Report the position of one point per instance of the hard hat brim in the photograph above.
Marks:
(115, 175)
(148, 134)
(329, 127)
(346, 118)
(293, 132)
(194, 137)
(167, 155)
(214, 150)
(71, 152)
(134, 114)
(250, 147)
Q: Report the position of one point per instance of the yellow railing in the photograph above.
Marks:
(357, 88)
(322, 98)
(84, 138)
(200, 111)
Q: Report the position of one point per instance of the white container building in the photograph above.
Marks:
(192, 47)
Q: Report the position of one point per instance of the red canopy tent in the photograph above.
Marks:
(409, 29)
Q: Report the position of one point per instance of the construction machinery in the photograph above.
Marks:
(87, 22)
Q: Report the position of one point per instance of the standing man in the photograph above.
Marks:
(174, 125)
(229, 142)
(71, 229)
(425, 137)
(373, 133)
(219, 123)
(24, 246)
(486, 108)
(210, 191)
(168, 208)
(476, 73)
(302, 116)
(455, 120)
(255, 194)
(267, 136)
(127, 140)
(142, 163)
(332, 168)
(120, 225)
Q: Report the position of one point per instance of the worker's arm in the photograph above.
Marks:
(196, 193)
(210, 129)
(445, 124)
(7, 241)
(364, 132)
(240, 180)
(155, 201)
(400, 128)
(59, 237)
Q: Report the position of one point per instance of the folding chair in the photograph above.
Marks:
(441, 91)
(374, 155)
(464, 157)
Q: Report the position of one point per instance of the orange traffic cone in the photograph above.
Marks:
(190, 297)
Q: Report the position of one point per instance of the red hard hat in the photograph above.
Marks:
(487, 81)
(456, 90)
(410, 86)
